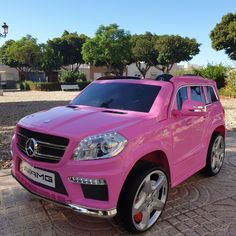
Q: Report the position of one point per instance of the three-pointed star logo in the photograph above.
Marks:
(31, 147)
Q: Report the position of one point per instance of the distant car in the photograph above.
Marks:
(120, 144)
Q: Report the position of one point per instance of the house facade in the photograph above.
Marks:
(152, 73)
(8, 76)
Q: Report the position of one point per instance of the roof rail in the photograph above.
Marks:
(117, 77)
(189, 75)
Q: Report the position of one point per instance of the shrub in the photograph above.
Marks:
(81, 77)
(20, 86)
(23, 85)
(215, 72)
(27, 85)
(43, 86)
(71, 77)
(230, 88)
(183, 72)
(83, 84)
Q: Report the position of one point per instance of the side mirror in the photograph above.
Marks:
(191, 108)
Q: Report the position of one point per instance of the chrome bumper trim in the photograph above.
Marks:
(77, 208)
(93, 212)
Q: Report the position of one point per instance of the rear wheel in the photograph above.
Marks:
(143, 199)
(215, 156)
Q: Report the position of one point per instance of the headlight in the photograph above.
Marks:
(100, 146)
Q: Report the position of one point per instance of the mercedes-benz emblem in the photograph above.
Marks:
(31, 147)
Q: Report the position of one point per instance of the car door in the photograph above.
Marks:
(187, 133)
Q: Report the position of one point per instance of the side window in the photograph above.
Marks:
(181, 96)
(196, 93)
(211, 95)
(203, 96)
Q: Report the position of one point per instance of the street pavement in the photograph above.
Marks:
(199, 206)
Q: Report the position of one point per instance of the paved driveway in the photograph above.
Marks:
(199, 206)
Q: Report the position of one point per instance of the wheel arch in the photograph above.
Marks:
(157, 157)
(219, 130)
(138, 170)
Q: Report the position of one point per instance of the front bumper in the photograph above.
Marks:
(80, 209)
(73, 196)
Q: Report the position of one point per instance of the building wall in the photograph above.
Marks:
(8, 76)
(152, 73)
(92, 72)
(8, 73)
(85, 69)
(97, 71)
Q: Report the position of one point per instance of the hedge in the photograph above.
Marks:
(47, 86)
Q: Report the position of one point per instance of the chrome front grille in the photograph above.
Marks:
(50, 148)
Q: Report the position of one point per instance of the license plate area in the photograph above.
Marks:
(37, 175)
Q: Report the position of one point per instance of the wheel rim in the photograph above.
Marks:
(217, 154)
(149, 200)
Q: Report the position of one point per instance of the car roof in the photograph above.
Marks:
(175, 80)
(135, 81)
(191, 80)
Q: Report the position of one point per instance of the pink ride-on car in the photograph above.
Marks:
(119, 146)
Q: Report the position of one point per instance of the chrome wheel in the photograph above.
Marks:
(149, 200)
(217, 154)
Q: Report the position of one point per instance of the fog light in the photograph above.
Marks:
(87, 181)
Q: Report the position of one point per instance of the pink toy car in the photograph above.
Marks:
(117, 147)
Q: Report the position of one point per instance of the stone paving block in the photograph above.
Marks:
(201, 230)
(182, 227)
(173, 221)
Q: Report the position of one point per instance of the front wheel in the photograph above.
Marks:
(215, 155)
(143, 199)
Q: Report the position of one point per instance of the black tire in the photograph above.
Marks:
(131, 196)
(211, 167)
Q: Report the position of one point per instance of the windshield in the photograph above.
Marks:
(123, 96)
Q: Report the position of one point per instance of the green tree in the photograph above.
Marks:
(4, 57)
(110, 47)
(22, 54)
(144, 53)
(223, 36)
(50, 60)
(69, 47)
(174, 49)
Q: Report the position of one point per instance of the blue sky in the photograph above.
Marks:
(45, 19)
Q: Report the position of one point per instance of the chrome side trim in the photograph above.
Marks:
(77, 208)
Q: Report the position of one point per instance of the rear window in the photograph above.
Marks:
(123, 96)
(211, 95)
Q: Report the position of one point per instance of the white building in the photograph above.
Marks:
(152, 73)
(8, 75)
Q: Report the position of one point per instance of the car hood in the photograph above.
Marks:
(77, 122)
